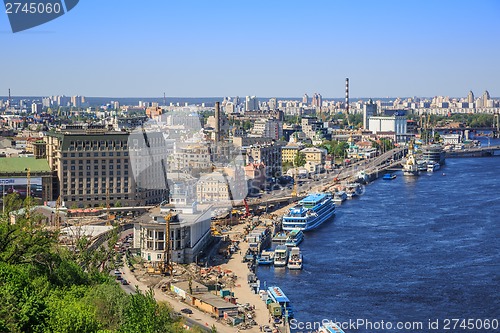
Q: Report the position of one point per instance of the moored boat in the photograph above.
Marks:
(330, 327)
(433, 166)
(280, 256)
(339, 197)
(295, 259)
(295, 237)
(276, 295)
(389, 176)
(266, 258)
(310, 212)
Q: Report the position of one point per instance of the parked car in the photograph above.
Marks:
(124, 282)
(187, 311)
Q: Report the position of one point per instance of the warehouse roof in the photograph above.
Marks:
(19, 164)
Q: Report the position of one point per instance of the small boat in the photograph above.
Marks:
(330, 327)
(280, 237)
(353, 190)
(422, 165)
(266, 258)
(295, 237)
(280, 256)
(295, 259)
(433, 166)
(339, 197)
(389, 176)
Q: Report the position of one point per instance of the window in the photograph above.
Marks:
(72, 155)
(103, 154)
(96, 154)
(80, 154)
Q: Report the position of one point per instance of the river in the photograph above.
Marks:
(412, 249)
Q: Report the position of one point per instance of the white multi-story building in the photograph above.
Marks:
(395, 123)
(189, 234)
(369, 110)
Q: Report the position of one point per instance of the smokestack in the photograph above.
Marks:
(217, 121)
(10, 101)
(347, 96)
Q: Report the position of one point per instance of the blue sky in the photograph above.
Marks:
(123, 48)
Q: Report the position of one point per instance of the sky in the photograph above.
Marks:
(124, 48)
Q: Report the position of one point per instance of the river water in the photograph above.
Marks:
(412, 249)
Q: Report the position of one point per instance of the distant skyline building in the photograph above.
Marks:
(305, 99)
(36, 108)
(251, 103)
(317, 100)
(273, 103)
(470, 97)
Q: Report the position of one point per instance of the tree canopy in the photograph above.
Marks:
(47, 288)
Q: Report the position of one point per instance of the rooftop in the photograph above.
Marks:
(19, 164)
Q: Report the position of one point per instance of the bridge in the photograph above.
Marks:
(475, 152)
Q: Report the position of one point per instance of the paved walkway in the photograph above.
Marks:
(198, 316)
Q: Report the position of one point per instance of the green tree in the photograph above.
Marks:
(299, 160)
(142, 314)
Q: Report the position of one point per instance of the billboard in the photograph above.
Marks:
(19, 186)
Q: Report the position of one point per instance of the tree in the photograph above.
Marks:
(299, 160)
(437, 137)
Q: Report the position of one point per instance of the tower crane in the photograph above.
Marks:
(166, 268)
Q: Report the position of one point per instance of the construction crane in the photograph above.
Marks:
(247, 209)
(166, 268)
(294, 190)
(109, 216)
(28, 188)
(57, 217)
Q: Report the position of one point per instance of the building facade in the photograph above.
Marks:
(94, 168)
(269, 155)
(189, 234)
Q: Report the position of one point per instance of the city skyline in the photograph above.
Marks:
(394, 49)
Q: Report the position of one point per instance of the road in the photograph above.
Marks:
(198, 318)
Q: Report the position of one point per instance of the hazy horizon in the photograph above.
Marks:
(261, 48)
